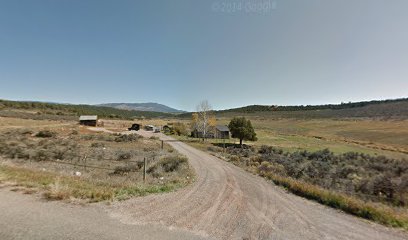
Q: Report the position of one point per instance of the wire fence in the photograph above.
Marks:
(80, 165)
(83, 163)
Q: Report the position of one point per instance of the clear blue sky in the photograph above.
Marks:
(180, 52)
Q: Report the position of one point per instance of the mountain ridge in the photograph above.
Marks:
(148, 107)
(348, 105)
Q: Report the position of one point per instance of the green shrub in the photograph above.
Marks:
(127, 169)
(167, 165)
(122, 155)
(97, 145)
(374, 178)
(267, 168)
(41, 155)
(26, 131)
(180, 129)
(59, 154)
(88, 137)
(212, 149)
(234, 158)
(127, 138)
(171, 164)
(45, 134)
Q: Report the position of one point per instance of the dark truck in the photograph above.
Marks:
(134, 127)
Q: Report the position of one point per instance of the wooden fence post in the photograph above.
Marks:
(85, 163)
(224, 148)
(144, 169)
(162, 144)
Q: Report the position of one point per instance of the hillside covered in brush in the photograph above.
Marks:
(383, 109)
(397, 108)
(64, 111)
(262, 108)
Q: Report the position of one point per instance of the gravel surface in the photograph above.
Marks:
(24, 217)
(226, 202)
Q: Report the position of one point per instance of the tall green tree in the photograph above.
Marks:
(242, 129)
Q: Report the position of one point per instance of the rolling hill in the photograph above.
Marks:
(39, 110)
(384, 109)
(395, 108)
(147, 107)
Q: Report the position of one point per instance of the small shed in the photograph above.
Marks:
(222, 132)
(196, 134)
(88, 120)
(199, 134)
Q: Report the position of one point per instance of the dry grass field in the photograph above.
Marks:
(369, 136)
(375, 137)
(63, 160)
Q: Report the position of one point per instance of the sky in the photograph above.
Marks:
(232, 53)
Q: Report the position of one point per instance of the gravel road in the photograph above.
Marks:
(25, 217)
(226, 202)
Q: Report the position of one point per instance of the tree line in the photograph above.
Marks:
(264, 108)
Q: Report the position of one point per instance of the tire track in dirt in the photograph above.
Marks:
(226, 202)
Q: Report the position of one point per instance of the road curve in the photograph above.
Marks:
(226, 202)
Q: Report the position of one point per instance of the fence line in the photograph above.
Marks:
(76, 164)
(79, 165)
(116, 160)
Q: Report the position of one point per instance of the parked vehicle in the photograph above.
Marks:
(134, 127)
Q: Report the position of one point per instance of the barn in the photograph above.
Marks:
(88, 120)
(219, 132)
(199, 134)
(222, 132)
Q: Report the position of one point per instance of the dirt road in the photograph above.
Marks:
(28, 218)
(228, 203)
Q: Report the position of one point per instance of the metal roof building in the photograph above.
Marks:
(88, 117)
(222, 128)
(88, 120)
(222, 132)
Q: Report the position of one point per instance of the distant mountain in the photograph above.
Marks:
(149, 107)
